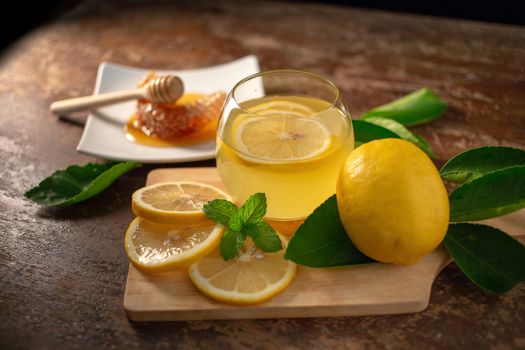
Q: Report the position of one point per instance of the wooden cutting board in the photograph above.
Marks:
(361, 290)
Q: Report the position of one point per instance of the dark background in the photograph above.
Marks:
(22, 16)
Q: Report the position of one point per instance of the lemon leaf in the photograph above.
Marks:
(418, 107)
(477, 162)
(321, 241)
(220, 210)
(366, 132)
(77, 183)
(231, 242)
(403, 133)
(490, 258)
(494, 194)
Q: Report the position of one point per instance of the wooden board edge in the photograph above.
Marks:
(138, 315)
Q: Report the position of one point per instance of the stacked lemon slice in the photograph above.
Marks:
(171, 231)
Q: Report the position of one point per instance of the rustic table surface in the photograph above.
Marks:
(63, 271)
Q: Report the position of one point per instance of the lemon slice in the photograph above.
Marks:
(170, 202)
(250, 278)
(282, 107)
(159, 247)
(282, 139)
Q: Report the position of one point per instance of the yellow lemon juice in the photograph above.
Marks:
(289, 147)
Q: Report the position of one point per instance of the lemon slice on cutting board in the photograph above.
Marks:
(174, 202)
(250, 278)
(159, 247)
(283, 139)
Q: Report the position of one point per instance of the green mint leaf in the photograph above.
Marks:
(264, 236)
(366, 132)
(321, 241)
(419, 107)
(253, 210)
(476, 162)
(236, 222)
(489, 257)
(249, 215)
(231, 242)
(403, 133)
(77, 183)
(494, 194)
(221, 211)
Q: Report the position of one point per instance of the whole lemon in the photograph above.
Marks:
(392, 201)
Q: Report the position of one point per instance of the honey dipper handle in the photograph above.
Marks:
(94, 101)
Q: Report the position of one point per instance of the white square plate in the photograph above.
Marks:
(104, 134)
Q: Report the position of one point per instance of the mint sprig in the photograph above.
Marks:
(246, 221)
(264, 236)
(220, 210)
(231, 243)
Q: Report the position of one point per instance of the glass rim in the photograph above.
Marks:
(316, 76)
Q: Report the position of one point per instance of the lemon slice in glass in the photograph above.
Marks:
(250, 278)
(160, 247)
(282, 107)
(281, 139)
(170, 202)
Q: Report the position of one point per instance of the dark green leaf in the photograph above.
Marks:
(489, 257)
(476, 162)
(253, 210)
(321, 241)
(366, 132)
(264, 236)
(419, 107)
(494, 194)
(403, 133)
(231, 243)
(220, 210)
(77, 183)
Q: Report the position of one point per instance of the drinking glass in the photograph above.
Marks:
(285, 133)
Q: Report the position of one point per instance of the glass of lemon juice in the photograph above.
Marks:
(285, 133)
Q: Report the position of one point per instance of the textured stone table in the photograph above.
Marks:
(62, 271)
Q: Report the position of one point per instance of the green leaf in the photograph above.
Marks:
(243, 221)
(366, 132)
(77, 183)
(321, 241)
(419, 107)
(253, 210)
(220, 211)
(489, 257)
(476, 162)
(264, 236)
(403, 133)
(494, 194)
(231, 242)
(235, 222)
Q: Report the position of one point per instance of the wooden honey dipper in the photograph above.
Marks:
(163, 89)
